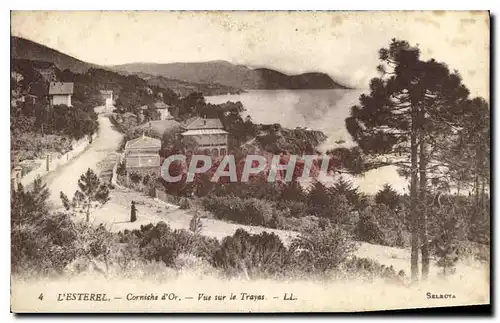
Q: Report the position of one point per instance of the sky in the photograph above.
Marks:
(343, 44)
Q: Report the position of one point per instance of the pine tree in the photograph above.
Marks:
(388, 196)
(29, 205)
(411, 107)
(91, 190)
(345, 188)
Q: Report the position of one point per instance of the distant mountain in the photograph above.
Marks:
(228, 74)
(218, 77)
(184, 88)
(26, 49)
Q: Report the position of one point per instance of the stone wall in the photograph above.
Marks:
(53, 161)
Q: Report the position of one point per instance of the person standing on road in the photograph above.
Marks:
(133, 212)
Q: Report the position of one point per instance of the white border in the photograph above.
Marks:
(186, 5)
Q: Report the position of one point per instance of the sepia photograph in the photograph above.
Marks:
(249, 161)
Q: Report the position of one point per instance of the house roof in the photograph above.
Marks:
(60, 88)
(161, 105)
(196, 132)
(143, 142)
(106, 91)
(143, 107)
(136, 161)
(202, 123)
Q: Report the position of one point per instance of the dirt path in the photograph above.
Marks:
(65, 178)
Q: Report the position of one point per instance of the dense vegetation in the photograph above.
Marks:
(53, 244)
(37, 127)
(420, 115)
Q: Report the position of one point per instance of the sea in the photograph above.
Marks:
(324, 110)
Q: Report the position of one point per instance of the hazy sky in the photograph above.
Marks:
(342, 44)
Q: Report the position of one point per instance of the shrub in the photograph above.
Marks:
(184, 204)
(135, 178)
(189, 263)
(303, 224)
(323, 249)
(196, 245)
(252, 256)
(294, 208)
(250, 211)
(368, 229)
(446, 243)
(121, 169)
(365, 268)
(45, 246)
(158, 243)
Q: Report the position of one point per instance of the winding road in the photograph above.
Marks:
(65, 178)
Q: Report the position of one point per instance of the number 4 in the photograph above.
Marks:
(40, 297)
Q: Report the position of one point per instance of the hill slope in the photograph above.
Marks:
(26, 49)
(226, 77)
(228, 74)
(28, 53)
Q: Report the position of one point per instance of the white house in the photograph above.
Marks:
(60, 93)
(162, 108)
(108, 99)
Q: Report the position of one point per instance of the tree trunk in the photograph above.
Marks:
(414, 200)
(483, 193)
(423, 208)
(88, 210)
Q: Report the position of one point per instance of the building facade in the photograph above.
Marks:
(142, 156)
(208, 134)
(162, 109)
(107, 95)
(60, 93)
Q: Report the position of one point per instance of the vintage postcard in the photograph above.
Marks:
(200, 162)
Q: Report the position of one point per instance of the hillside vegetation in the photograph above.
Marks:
(228, 74)
(24, 49)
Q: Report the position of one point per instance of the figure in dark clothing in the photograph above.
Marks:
(133, 212)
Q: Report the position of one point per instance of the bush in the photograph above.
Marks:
(187, 262)
(159, 243)
(303, 224)
(368, 229)
(184, 204)
(293, 208)
(45, 246)
(135, 178)
(252, 256)
(121, 169)
(250, 211)
(323, 249)
(365, 268)
(197, 245)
